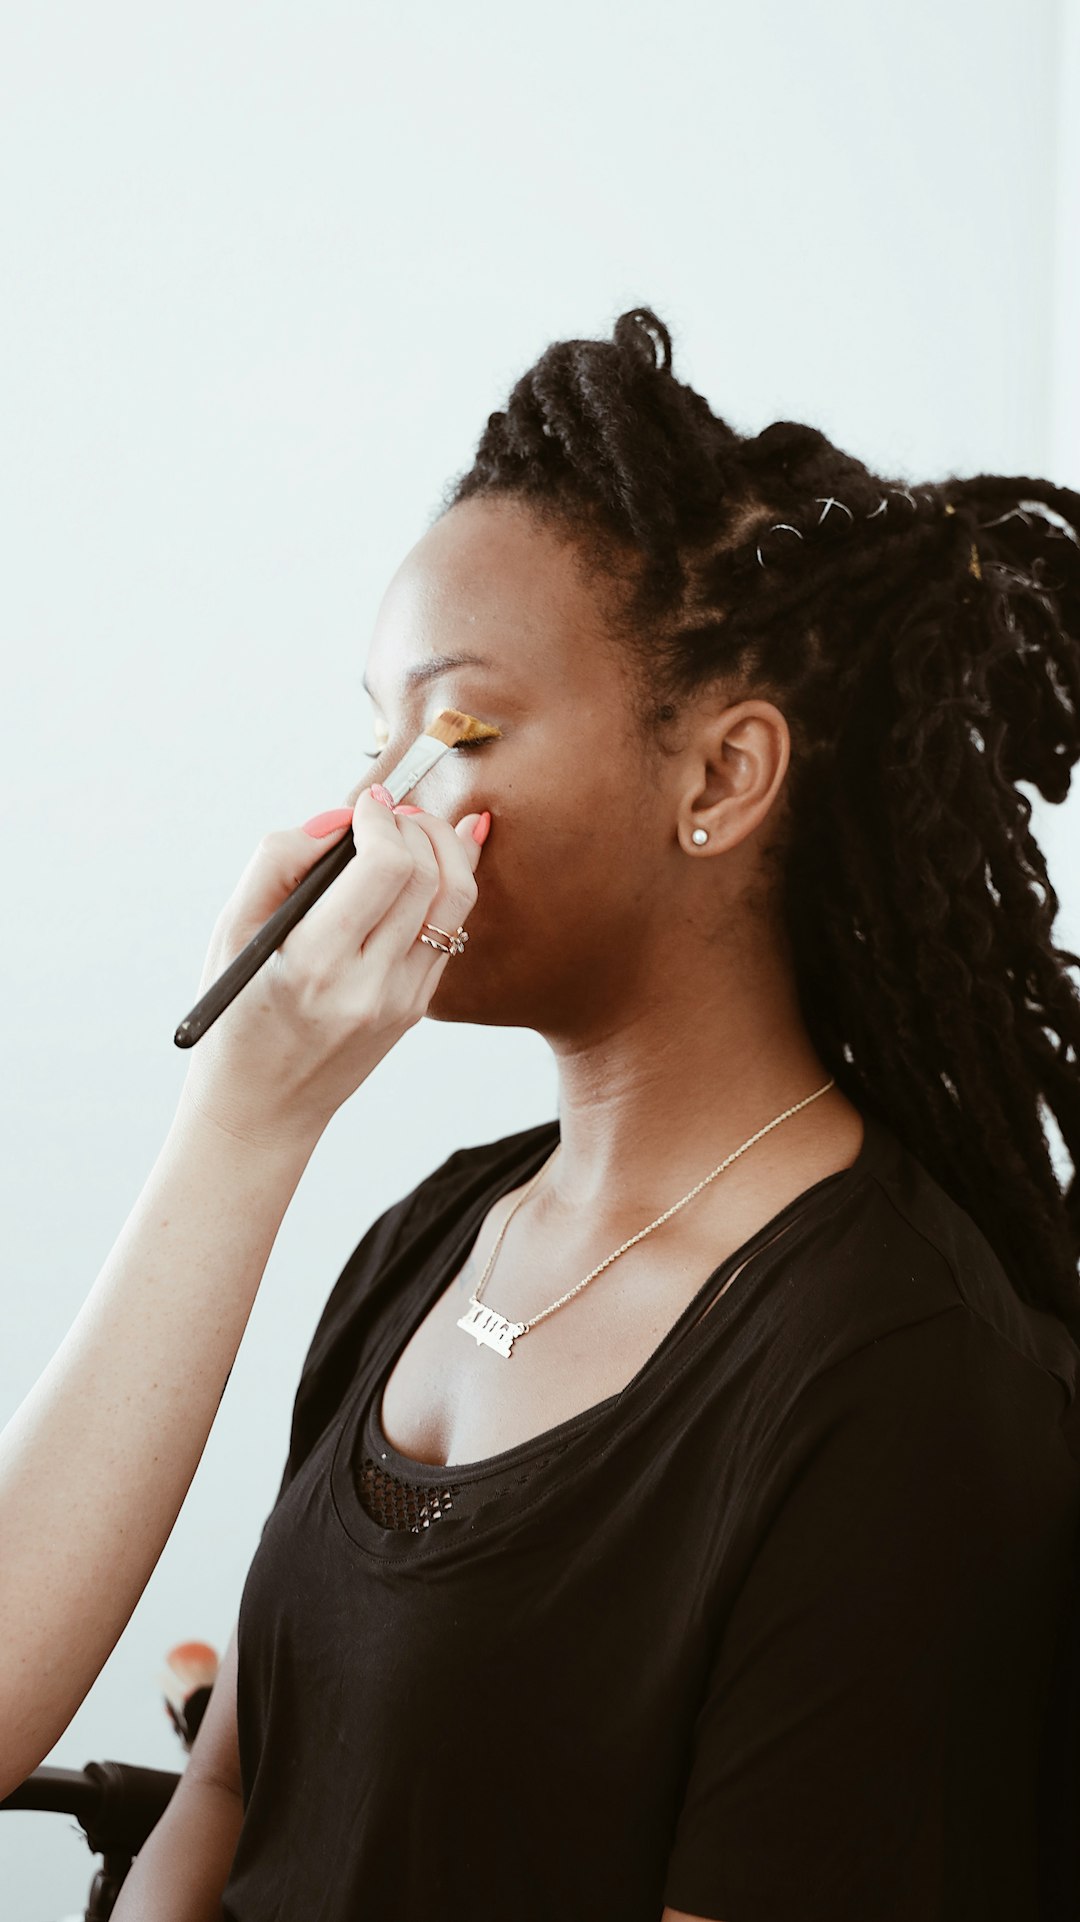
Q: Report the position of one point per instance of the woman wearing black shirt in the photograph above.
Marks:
(728, 1577)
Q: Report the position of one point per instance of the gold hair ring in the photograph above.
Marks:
(973, 564)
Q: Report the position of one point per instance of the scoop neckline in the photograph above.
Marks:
(653, 1375)
(423, 1473)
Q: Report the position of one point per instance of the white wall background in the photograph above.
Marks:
(267, 269)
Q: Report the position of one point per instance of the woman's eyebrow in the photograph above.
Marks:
(430, 670)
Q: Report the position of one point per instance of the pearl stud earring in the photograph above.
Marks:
(699, 837)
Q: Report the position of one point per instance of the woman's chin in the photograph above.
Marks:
(454, 1000)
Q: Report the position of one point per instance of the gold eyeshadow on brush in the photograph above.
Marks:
(449, 729)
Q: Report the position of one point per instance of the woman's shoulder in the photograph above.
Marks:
(483, 1164)
(899, 1251)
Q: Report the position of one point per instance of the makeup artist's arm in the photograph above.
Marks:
(182, 1868)
(95, 1464)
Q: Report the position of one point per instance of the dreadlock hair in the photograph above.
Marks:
(923, 644)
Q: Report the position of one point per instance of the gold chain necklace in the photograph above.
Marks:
(494, 1331)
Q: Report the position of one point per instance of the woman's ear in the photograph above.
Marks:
(745, 751)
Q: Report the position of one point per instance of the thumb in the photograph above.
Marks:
(276, 868)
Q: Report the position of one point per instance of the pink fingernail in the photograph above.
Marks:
(402, 808)
(321, 824)
(379, 793)
(482, 828)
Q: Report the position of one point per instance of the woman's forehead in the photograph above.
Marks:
(487, 581)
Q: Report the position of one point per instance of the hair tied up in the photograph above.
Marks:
(926, 669)
(639, 333)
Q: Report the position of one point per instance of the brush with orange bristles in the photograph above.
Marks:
(187, 1678)
(449, 729)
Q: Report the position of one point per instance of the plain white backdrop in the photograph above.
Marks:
(267, 270)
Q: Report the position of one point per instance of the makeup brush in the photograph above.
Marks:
(449, 729)
(189, 1675)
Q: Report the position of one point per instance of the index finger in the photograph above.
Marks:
(451, 852)
(363, 891)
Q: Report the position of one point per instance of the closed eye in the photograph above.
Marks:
(374, 753)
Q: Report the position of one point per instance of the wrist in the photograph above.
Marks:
(270, 1139)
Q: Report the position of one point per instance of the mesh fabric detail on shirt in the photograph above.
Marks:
(396, 1500)
(398, 1504)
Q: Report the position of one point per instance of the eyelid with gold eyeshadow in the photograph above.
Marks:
(374, 754)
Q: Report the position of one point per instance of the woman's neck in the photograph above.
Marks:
(653, 1105)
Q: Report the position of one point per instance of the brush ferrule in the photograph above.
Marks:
(422, 755)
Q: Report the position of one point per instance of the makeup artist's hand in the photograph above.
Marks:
(346, 983)
(97, 1459)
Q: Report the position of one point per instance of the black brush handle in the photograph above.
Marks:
(261, 946)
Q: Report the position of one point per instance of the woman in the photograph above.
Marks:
(682, 1493)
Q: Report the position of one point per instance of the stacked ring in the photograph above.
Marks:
(456, 942)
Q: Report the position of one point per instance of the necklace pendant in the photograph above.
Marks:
(492, 1330)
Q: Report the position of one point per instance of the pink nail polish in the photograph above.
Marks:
(482, 828)
(402, 808)
(380, 793)
(321, 824)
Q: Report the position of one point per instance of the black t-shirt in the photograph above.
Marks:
(767, 1636)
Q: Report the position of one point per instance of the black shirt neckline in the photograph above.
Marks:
(662, 1363)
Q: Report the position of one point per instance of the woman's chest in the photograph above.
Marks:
(451, 1399)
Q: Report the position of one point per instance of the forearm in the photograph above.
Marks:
(180, 1872)
(95, 1464)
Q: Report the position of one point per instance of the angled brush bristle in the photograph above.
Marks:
(452, 727)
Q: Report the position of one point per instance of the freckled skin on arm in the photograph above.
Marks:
(97, 1460)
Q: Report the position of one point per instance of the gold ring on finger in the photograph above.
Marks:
(455, 942)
